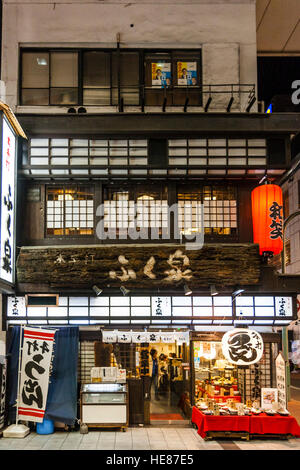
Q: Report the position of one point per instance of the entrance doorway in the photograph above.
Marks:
(169, 384)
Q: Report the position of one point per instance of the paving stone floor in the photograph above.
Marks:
(140, 438)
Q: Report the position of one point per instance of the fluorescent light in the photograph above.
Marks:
(41, 61)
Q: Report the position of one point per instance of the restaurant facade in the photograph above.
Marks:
(135, 223)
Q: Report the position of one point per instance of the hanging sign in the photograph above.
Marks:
(109, 336)
(281, 381)
(8, 185)
(35, 370)
(167, 337)
(124, 337)
(16, 306)
(267, 215)
(140, 337)
(161, 306)
(242, 346)
(182, 337)
(283, 307)
(154, 337)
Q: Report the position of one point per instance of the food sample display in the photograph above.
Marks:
(215, 378)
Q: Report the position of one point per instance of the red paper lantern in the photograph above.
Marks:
(267, 217)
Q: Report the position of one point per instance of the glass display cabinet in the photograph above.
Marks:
(104, 405)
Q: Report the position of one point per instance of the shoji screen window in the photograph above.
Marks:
(211, 207)
(70, 211)
(134, 208)
(220, 210)
(190, 211)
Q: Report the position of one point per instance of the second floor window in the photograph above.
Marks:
(69, 211)
(215, 205)
(105, 77)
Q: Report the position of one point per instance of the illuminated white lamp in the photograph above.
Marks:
(213, 290)
(187, 290)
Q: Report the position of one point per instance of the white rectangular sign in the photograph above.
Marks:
(35, 369)
(281, 380)
(7, 250)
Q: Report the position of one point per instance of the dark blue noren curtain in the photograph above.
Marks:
(62, 392)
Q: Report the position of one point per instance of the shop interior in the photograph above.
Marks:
(150, 400)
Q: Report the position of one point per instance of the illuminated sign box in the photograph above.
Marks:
(165, 310)
(10, 132)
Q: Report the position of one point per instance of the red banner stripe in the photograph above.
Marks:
(39, 337)
(28, 413)
(44, 335)
(38, 333)
(31, 409)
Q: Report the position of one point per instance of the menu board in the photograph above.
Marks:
(281, 380)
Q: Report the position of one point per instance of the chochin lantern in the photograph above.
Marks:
(267, 217)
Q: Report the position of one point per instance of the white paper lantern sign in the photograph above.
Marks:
(109, 336)
(242, 346)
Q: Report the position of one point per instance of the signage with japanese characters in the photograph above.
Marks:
(161, 306)
(35, 371)
(109, 336)
(283, 307)
(8, 184)
(242, 346)
(159, 310)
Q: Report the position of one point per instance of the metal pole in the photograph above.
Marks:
(19, 373)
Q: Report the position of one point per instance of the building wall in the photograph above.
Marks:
(224, 29)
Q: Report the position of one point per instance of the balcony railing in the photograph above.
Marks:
(212, 97)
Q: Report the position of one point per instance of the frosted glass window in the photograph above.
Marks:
(268, 301)
(119, 301)
(99, 311)
(99, 301)
(223, 311)
(62, 301)
(58, 312)
(264, 311)
(182, 311)
(182, 301)
(223, 301)
(202, 311)
(140, 301)
(76, 301)
(247, 311)
(36, 311)
(140, 311)
(199, 301)
(243, 300)
(78, 311)
(119, 312)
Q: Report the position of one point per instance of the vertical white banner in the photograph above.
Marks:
(7, 203)
(35, 368)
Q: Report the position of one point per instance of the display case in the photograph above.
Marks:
(104, 405)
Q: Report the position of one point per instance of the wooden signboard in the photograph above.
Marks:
(143, 266)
